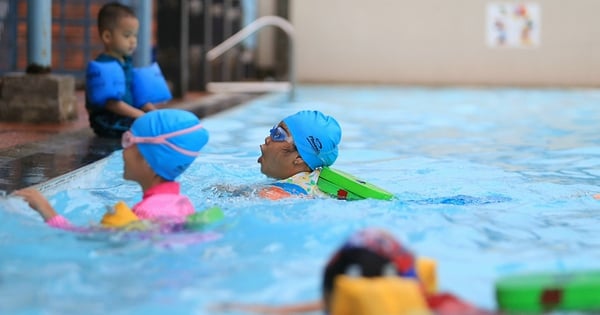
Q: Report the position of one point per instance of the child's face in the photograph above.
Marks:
(277, 159)
(135, 167)
(122, 40)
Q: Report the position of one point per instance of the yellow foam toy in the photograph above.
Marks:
(379, 295)
(120, 216)
(427, 273)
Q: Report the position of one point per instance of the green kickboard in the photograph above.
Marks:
(543, 292)
(201, 219)
(349, 187)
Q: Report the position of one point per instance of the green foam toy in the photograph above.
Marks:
(349, 187)
(201, 219)
(543, 292)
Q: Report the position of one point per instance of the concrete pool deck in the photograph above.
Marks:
(34, 153)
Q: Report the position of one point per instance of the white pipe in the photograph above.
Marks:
(268, 20)
(236, 38)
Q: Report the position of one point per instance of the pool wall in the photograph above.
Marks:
(444, 42)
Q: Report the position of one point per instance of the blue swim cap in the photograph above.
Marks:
(164, 160)
(316, 136)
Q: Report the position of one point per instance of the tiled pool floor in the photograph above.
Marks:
(33, 153)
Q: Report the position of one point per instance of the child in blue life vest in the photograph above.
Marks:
(116, 92)
(295, 151)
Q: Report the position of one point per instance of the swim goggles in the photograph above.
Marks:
(278, 134)
(128, 139)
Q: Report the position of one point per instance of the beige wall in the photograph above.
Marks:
(441, 42)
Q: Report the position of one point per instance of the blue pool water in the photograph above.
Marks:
(489, 182)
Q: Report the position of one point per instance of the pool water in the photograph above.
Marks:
(488, 182)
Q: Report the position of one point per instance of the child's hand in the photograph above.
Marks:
(148, 107)
(37, 201)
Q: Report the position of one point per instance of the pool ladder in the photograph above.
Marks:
(255, 87)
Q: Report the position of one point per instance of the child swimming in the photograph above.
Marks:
(158, 148)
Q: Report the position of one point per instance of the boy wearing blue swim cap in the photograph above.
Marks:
(113, 114)
(295, 151)
(160, 146)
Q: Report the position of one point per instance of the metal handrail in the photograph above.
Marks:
(269, 20)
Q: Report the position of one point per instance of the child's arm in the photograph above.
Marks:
(38, 202)
(123, 109)
(301, 308)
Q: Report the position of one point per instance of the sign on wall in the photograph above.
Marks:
(513, 25)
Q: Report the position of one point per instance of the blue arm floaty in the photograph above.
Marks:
(104, 81)
(149, 86)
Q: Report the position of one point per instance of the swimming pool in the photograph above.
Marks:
(489, 182)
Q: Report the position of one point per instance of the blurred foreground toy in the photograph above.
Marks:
(544, 292)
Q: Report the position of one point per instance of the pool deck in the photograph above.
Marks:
(34, 153)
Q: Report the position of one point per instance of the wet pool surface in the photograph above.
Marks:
(34, 163)
(50, 151)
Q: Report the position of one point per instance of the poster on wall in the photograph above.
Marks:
(513, 25)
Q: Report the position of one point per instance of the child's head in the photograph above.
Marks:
(316, 136)
(300, 143)
(168, 140)
(371, 253)
(118, 29)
